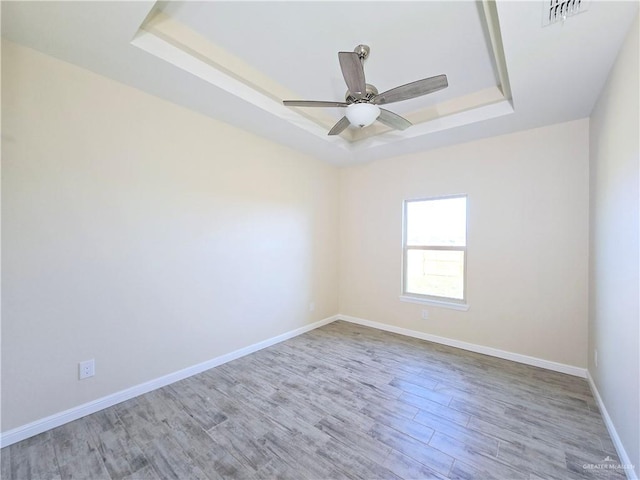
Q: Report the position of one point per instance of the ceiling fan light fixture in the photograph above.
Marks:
(362, 99)
(362, 114)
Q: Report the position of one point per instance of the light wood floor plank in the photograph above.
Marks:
(76, 453)
(5, 464)
(32, 458)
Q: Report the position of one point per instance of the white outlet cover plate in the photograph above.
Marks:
(86, 369)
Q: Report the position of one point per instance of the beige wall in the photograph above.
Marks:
(145, 236)
(527, 240)
(614, 317)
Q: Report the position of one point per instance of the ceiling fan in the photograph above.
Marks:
(362, 99)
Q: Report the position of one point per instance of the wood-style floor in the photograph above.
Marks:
(342, 401)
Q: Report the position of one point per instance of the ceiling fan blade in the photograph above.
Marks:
(313, 103)
(393, 120)
(353, 72)
(412, 90)
(340, 126)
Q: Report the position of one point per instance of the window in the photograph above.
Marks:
(435, 249)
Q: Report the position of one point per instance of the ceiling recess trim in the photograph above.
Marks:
(493, 27)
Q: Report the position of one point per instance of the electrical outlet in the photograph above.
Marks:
(425, 314)
(86, 369)
(595, 358)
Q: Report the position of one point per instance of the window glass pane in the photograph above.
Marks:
(441, 222)
(439, 273)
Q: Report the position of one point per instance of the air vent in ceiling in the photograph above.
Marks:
(559, 10)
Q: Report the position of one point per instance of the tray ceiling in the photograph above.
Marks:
(237, 61)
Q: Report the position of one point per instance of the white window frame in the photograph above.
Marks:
(446, 302)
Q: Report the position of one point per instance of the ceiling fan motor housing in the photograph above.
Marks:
(366, 98)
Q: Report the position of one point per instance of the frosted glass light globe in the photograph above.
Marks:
(362, 114)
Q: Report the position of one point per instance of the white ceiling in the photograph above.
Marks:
(235, 61)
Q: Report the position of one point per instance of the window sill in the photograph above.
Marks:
(436, 303)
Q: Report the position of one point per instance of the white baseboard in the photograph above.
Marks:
(472, 347)
(622, 453)
(39, 426)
